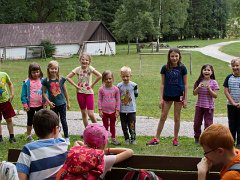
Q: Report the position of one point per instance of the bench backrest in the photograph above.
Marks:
(13, 155)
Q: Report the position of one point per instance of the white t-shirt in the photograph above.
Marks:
(109, 161)
(8, 171)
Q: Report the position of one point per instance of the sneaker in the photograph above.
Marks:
(81, 136)
(134, 142)
(127, 141)
(115, 142)
(30, 139)
(12, 140)
(1, 140)
(196, 140)
(175, 142)
(67, 141)
(153, 142)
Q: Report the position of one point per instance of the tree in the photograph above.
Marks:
(133, 20)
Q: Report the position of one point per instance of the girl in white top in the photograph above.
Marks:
(85, 94)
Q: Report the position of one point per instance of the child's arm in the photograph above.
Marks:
(161, 91)
(118, 100)
(213, 93)
(51, 104)
(98, 77)
(69, 76)
(24, 97)
(229, 97)
(100, 100)
(203, 167)
(11, 89)
(121, 153)
(196, 90)
(66, 96)
(185, 98)
(22, 176)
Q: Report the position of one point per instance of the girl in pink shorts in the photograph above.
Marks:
(85, 94)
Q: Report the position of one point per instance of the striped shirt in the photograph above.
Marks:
(233, 84)
(205, 100)
(43, 158)
(108, 99)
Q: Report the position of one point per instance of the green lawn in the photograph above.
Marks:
(148, 82)
(232, 49)
(187, 146)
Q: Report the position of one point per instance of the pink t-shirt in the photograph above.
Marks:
(35, 93)
(205, 100)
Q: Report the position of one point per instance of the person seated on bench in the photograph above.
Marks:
(8, 171)
(88, 160)
(43, 158)
(218, 145)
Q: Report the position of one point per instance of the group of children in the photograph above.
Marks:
(113, 101)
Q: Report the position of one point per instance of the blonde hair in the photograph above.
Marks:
(88, 56)
(216, 136)
(51, 64)
(126, 69)
(235, 60)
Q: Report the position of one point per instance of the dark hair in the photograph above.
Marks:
(105, 73)
(201, 77)
(44, 121)
(176, 50)
(34, 67)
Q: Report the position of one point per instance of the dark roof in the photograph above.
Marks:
(29, 34)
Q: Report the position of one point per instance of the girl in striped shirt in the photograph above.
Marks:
(206, 87)
(109, 103)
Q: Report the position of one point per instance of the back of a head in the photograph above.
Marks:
(95, 136)
(217, 135)
(44, 121)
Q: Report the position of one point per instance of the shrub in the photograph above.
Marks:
(48, 47)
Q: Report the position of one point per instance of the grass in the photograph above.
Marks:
(187, 146)
(232, 49)
(148, 82)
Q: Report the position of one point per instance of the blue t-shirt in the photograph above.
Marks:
(128, 94)
(174, 84)
(55, 90)
(233, 84)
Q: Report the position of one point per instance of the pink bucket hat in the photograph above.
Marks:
(95, 135)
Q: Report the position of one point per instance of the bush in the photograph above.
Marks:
(48, 47)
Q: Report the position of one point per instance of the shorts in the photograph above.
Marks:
(85, 101)
(173, 98)
(6, 110)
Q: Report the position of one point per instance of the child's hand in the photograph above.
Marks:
(52, 105)
(92, 86)
(26, 108)
(161, 104)
(184, 103)
(68, 106)
(11, 98)
(201, 84)
(78, 143)
(204, 165)
(101, 113)
(117, 114)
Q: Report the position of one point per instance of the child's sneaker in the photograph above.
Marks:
(196, 140)
(154, 141)
(175, 142)
(134, 142)
(67, 141)
(127, 141)
(30, 139)
(115, 142)
(12, 140)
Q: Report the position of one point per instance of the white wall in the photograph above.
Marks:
(99, 48)
(14, 53)
(67, 49)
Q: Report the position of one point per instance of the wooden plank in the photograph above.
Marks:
(118, 174)
(13, 154)
(163, 162)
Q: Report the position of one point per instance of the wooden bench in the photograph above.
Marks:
(167, 167)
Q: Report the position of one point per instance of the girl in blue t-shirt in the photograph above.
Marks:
(173, 89)
(57, 94)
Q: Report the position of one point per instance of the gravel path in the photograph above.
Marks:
(145, 126)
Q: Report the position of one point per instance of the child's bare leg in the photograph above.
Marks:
(165, 110)
(29, 130)
(177, 111)
(10, 125)
(84, 117)
(92, 116)
(0, 127)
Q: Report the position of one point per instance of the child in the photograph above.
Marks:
(206, 88)
(232, 92)
(90, 155)
(173, 88)
(85, 94)
(43, 158)
(8, 171)
(57, 93)
(109, 103)
(218, 145)
(6, 109)
(128, 93)
(31, 97)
